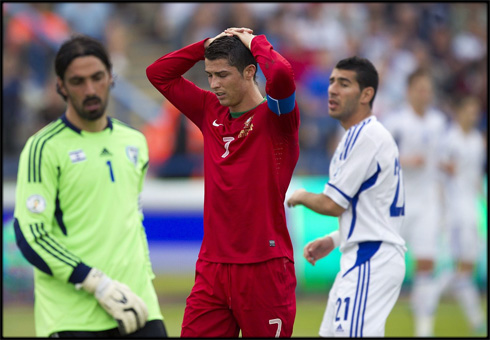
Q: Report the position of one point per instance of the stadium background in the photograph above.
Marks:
(449, 38)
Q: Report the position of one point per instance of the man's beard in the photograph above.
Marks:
(91, 115)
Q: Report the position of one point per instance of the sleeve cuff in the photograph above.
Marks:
(337, 196)
(79, 273)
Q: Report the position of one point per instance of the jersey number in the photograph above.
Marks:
(227, 141)
(394, 210)
(279, 325)
(346, 308)
(109, 164)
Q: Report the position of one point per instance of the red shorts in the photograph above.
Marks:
(258, 298)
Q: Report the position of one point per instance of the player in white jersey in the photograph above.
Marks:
(366, 192)
(418, 130)
(465, 156)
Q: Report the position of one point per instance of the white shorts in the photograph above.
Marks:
(364, 292)
(464, 242)
(421, 228)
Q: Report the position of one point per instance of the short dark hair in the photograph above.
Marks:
(366, 74)
(233, 50)
(79, 46)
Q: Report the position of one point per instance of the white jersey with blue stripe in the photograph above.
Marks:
(366, 180)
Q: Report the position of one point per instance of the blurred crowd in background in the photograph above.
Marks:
(449, 39)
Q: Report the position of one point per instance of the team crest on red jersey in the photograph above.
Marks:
(247, 127)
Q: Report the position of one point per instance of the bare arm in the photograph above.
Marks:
(319, 203)
(318, 248)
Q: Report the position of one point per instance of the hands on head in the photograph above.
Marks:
(245, 35)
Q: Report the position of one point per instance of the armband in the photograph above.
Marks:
(281, 106)
(335, 235)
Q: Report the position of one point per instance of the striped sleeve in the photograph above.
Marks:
(35, 209)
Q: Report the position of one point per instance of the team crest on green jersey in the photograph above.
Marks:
(36, 204)
(132, 153)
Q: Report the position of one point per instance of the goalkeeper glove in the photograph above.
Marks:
(128, 309)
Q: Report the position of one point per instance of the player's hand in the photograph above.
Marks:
(210, 40)
(245, 34)
(295, 198)
(117, 299)
(317, 249)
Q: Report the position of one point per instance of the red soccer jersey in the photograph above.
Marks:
(248, 161)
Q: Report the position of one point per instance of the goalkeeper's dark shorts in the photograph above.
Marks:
(257, 298)
(152, 329)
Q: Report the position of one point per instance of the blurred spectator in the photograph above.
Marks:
(448, 38)
(206, 21)
(53, 107)
(239, 14)
(103, 26)
(117, 45)
(11, 103)
(171, 20)
(175, 145)
(89, 18)
(35, 30)
(319, 28)
(32, 31)
(317, 127)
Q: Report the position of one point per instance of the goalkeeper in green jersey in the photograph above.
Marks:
(77, 214)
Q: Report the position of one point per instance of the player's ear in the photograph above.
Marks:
(249, 72)
(366, 95)
(60, 88)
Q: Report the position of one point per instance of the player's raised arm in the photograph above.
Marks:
(280, 87)
(166, 74)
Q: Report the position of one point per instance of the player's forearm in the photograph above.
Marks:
(173, 65)
(45, 252)
(319, 203)
(277, 70)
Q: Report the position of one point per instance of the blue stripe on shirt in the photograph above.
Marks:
(28, 252)
(350, 146)
(364, 186)
(340, 191)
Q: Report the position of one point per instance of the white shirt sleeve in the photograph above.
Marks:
(355, 163)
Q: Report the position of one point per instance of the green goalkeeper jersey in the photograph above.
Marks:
(77, 207)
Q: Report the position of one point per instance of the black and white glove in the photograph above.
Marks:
(128, 309)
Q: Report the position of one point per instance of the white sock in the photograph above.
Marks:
(424, 326)
(424, 300)
(468, 298)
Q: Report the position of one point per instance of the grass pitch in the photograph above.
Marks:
(18, 320)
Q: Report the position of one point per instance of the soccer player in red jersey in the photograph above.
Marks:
(245, 277)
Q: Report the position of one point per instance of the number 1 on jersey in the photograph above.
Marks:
(109, 164)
